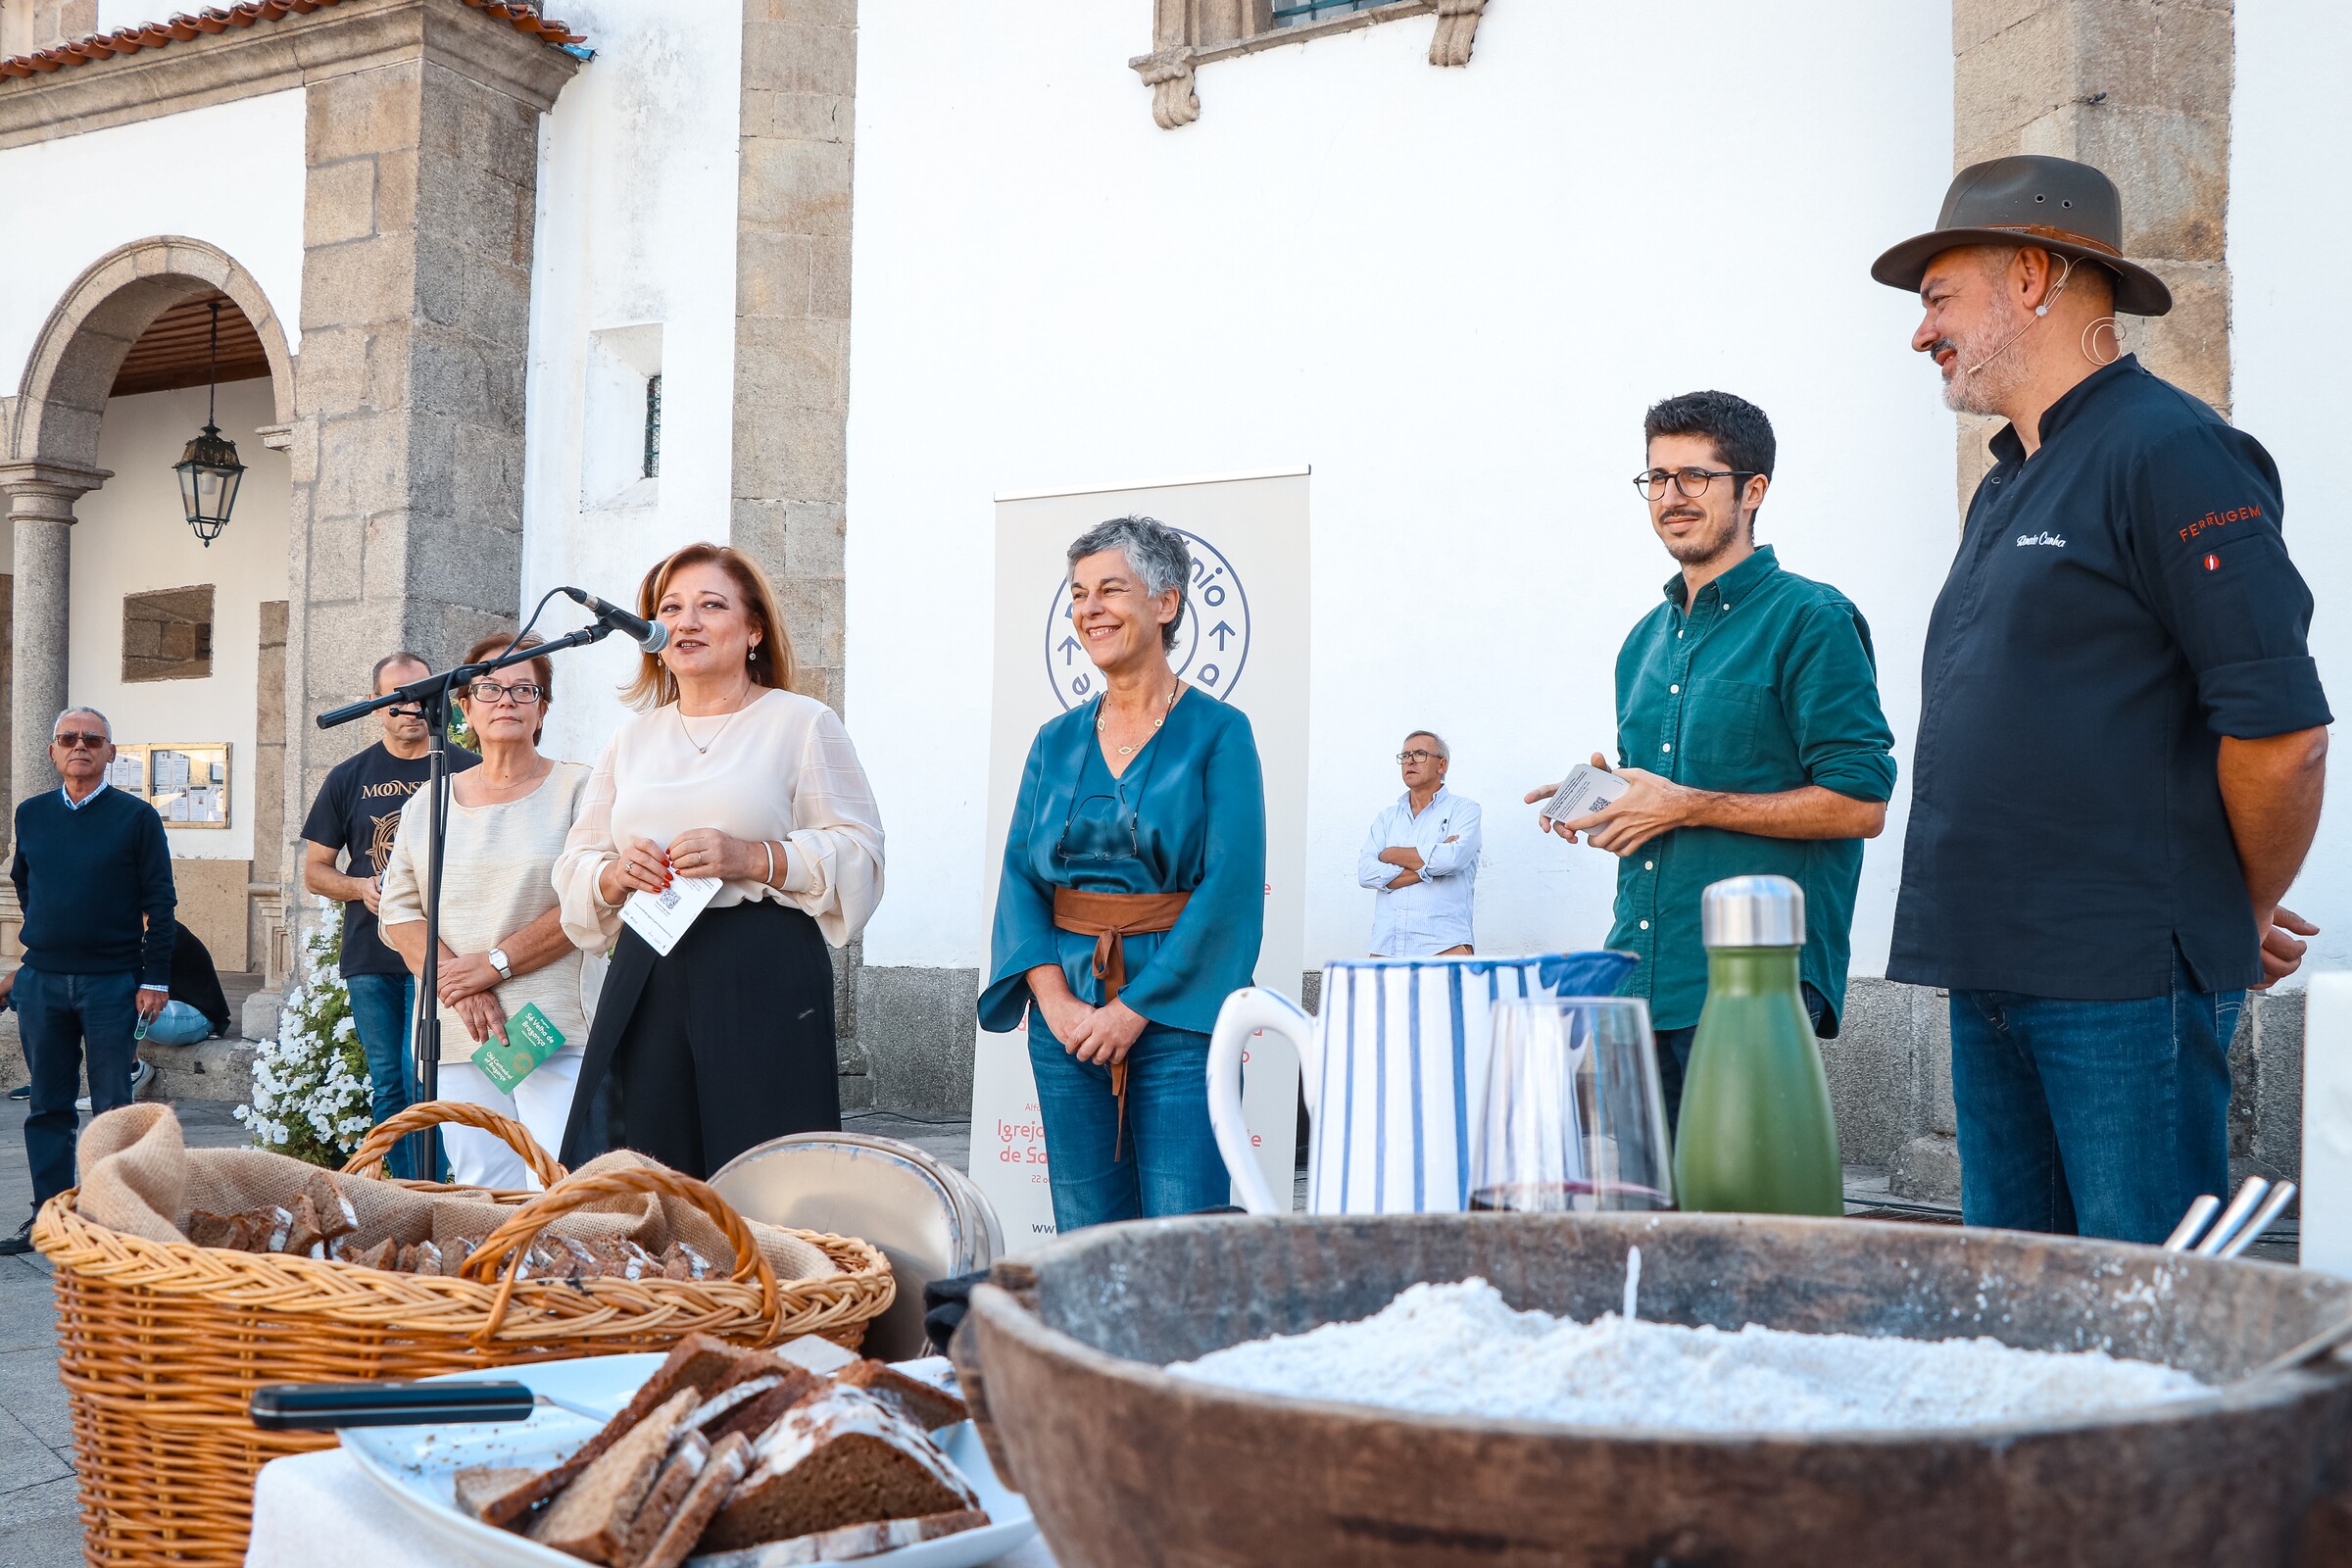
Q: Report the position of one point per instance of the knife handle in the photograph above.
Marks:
(326, 1406)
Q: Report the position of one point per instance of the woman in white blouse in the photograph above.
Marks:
(725, 773)
(503, 947)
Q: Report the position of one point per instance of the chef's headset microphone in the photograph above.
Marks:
(2066, 275)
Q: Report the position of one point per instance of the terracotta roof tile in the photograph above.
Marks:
(525, 15)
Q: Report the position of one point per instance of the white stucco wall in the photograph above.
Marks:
(636, 230)
(130, 536)
(2287, 236)
(231, 175)
(1453, 293)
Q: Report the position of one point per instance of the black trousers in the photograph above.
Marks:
(723, 1045)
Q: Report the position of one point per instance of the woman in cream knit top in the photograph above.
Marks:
(725, 1040)
(503, 947)
(779, 772)
(497, 865)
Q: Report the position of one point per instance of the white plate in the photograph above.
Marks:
(415, 1465)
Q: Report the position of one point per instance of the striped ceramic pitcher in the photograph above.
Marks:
(1394, 1067)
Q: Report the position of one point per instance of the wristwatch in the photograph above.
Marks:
(498, 962)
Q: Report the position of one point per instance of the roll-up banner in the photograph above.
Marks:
(1243, 639)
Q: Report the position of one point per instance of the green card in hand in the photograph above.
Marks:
(531, 1041)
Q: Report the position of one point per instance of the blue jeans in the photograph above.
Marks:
(59, 1015)
(381, 1008)
(1168, 1161)
(2093, 1118)
(180, 1024)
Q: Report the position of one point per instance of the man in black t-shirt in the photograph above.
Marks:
(355, 817)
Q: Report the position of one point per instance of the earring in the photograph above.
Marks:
(2089, 342)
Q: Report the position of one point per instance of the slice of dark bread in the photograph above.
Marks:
(751, 1407)
(727, 1465)
(840, 1457)
(591, 1517)
(867, 1540)
(688, 1456)
(926, 1404)
(479, 1486)
(698, 1363)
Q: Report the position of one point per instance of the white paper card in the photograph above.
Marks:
(1585, 790)
(662, 919)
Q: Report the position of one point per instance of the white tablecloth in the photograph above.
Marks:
(318, 1508)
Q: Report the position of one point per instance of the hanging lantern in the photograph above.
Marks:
(209, 470)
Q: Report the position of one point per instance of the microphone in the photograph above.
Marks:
(652, 636)
(2066, 275)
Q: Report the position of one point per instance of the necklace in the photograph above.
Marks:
(1129, 751)
(703, 748)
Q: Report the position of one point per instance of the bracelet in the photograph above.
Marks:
(771, 861)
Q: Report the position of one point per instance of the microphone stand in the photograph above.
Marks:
(432, 693)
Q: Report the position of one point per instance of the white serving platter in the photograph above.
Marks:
(415, 1465)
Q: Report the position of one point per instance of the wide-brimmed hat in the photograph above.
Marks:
(2055, 202)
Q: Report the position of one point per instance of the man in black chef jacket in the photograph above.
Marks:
(2122, 736)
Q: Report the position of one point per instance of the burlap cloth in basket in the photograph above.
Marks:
(138, 1177)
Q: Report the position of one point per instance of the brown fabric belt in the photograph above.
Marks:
(1110, 919)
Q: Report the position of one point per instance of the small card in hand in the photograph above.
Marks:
(1584, 791)
(531, 1041)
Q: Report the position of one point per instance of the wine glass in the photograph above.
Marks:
(1574, 1119)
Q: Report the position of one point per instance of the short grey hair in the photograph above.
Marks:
(1154, 550)
(1445, 751)
(65, 713)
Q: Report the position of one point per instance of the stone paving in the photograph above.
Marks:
(40, 1522)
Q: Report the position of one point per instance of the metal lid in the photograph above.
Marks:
(1753, 911)
(926, 1217)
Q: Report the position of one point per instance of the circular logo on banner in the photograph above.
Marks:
(1212, 636)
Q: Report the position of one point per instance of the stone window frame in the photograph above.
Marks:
(167, 608)
(1191, 33)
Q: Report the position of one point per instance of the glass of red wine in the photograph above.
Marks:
(1574, 1119)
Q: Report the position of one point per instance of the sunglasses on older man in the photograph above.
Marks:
(71, 739)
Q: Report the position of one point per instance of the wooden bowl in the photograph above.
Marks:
(1126, 1465)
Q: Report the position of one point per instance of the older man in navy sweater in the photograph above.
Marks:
(93, 876)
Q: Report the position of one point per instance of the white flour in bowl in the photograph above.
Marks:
(1460, 1349)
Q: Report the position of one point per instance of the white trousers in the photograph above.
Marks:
(542, 1103)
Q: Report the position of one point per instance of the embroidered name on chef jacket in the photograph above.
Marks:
(2219, 519)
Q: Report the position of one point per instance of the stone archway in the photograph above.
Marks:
(63, 395)
(49, 454)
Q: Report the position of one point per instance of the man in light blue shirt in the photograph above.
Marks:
(1421, 858)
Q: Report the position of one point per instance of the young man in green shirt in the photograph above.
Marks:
(1747, 725)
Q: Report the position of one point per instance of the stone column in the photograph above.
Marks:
(406, 450)
(792, 318)
(2140, 90)
(792, 355)
(38, 500)
(27, 27)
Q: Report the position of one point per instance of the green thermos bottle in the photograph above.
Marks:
(1757, 1135)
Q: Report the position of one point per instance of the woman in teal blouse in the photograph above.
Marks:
(1133, 896)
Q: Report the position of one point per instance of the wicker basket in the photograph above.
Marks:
(161, 1346)
(369, 1159)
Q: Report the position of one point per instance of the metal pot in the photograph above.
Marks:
(1125, 1464)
